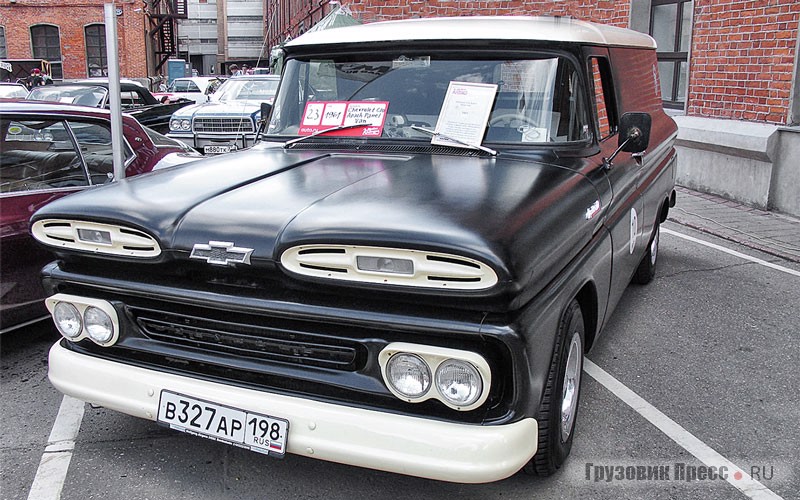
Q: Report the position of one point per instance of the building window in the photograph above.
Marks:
(3, 51)
(96, 61)
(671, 26)
(46, 44)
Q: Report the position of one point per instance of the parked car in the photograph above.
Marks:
(51, 150)
(136, 100)
(405, 273)
(229, 121)
(10, 90)
(196, 88)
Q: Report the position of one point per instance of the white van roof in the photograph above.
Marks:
(559, 29)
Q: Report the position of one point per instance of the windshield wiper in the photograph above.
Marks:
(433, 133)
(320, 132)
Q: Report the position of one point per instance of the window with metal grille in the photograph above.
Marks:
(3, 51)
(46, 43)
(96, 61)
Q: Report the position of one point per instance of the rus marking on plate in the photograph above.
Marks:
(221, 253)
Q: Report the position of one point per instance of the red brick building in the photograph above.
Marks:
(729, 72)
(70, 33)
(743, 52)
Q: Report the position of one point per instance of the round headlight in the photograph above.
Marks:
(458, 382)
(186, 124)
(67, 320)
(174, 124)
(98, 324)
(408, 374)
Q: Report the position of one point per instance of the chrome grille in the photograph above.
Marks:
(223, 125)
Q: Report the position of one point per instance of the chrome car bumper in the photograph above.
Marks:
(200, 141)
(366, 438)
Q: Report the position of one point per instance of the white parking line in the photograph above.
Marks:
(52, 471)
(731, 252)
(736, 476)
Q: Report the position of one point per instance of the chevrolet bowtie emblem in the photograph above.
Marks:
(221, 253)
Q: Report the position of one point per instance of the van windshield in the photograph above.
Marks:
(534, 100)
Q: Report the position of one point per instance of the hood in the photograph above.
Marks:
(514, 215)
(173, 159)
(220, 108)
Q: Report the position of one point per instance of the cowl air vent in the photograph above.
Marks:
(389, 266)
(95, 237)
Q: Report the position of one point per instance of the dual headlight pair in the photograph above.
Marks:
(416, 373)
(77, 318)
(412, 372)
(180, 125)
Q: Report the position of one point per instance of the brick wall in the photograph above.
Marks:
(71, 16)
(742, 60)
(743, 51)
(604, 11)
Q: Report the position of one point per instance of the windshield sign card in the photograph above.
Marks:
(465, 113)
(322, 115)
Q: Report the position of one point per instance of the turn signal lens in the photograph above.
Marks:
(95, 236)
(408, 374)
(458, 382)
(99, 325)
(385, 265)
(67, 320)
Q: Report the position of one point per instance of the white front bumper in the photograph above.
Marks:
(365, 438)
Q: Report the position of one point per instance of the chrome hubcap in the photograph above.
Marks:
(571, 386)
(654, 247)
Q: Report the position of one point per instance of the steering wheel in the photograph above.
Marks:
(512, 120)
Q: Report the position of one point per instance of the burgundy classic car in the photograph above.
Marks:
(51, 150)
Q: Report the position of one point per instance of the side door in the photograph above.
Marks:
(624, 214)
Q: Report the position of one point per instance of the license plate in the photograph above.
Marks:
(218, 150)
(256, 432)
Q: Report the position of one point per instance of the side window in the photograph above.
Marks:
(180, 86)
(38, 155)
(95, 142)
(604, 103)
(131, 99)
(213, 86)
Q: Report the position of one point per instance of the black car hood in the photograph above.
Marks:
(518, 216)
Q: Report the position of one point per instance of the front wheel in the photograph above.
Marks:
(559, 407)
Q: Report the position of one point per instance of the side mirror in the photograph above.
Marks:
(634, 136)
(266, 109)
(634, 132)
